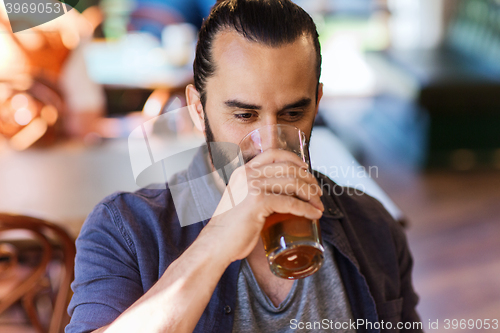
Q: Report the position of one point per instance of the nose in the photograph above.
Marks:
(272, 137)
(271, 119)
(268, 134)
(272, 134)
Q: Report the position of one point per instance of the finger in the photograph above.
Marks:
(292, 187)
(277, 155)
(290, 205)
(282, 169)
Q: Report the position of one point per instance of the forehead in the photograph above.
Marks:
(230, 42)
(241, 64)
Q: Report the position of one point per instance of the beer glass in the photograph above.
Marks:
(292, 243)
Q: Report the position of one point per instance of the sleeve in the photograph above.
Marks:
(409, 315)
(107, 279)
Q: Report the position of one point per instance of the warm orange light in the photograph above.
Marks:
(5, 92)
(31, 41)
(49, 114)
(70, 38)
(12, 60)
(155, 103)
(23, 116)
(19, 101)
(29, 134)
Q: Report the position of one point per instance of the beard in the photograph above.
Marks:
(225, 156)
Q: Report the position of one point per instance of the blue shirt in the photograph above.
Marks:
(129, 240)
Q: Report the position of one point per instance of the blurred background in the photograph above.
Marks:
(412, 93)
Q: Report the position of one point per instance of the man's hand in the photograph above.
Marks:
(275, 181)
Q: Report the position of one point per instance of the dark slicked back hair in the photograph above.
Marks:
(270, 22)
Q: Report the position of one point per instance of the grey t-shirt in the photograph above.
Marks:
(314, 304)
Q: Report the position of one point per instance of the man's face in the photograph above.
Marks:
(256, 85)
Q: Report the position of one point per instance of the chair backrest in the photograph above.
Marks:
(52, 243)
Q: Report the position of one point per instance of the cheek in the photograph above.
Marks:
(225, 130)
(233, 133)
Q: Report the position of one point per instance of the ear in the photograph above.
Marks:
(320, 95)
(195, 108)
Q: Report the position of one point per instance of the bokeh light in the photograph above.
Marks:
(23, 116)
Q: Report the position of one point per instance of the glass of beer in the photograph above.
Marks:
(293, 244)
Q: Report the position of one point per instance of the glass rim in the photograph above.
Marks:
(274, 125)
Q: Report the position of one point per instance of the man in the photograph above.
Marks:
(137, 270)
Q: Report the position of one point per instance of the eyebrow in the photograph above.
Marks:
(240, 105)
(304, 102)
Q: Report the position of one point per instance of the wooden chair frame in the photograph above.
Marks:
(27, 290)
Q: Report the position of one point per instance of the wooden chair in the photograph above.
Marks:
(36, 259)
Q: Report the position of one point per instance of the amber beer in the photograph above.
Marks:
(293, 245)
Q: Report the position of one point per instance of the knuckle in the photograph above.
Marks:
(245, 168)
(292, 202)
(304, 173)
(292, 167)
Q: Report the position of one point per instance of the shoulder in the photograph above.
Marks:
(153, 201)
(131, 217)
(140, 202)
(142, 205)
(144, 219)
(123, 216)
